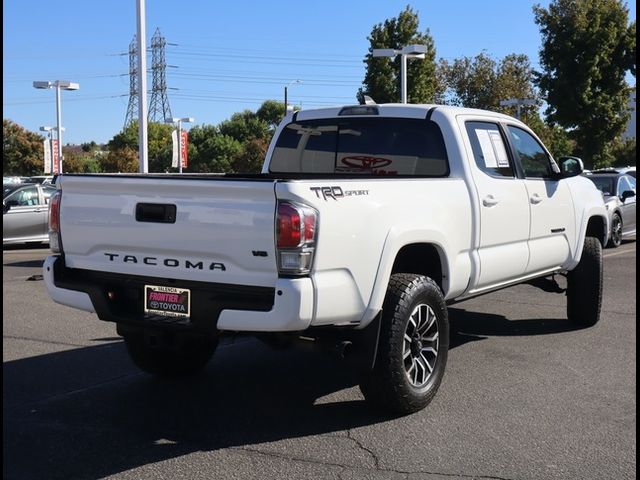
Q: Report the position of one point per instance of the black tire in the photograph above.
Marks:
(584, 285)
(168, 355)
(615, 237)
(393, 383)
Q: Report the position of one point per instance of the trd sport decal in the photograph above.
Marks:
(336, 193)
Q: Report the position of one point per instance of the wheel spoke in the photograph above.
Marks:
(412, 321)
(422, 372)
(432, 338)
(429, 350)
(415, 372)
(426, 362)
(431, 318)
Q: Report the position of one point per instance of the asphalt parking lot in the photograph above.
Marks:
(526, 395)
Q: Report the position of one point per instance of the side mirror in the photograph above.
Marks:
(570, 166)
(5, 207)
(628, 194)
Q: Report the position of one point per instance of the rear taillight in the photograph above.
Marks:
(296, 229)
(55, 241)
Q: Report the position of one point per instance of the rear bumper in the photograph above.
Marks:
(287, 307)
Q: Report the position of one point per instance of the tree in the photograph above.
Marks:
(251, 158)
(211, 151)
(482, 82)
(244, 126)
(22, 150)
(587, 48)
(271, 112)
(382, 78)
(159, 146)
(121, 160)
(471, 82)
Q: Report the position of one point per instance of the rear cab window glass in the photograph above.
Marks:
(489, 149)
(361, 146)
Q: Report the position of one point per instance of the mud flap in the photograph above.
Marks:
(361, 354)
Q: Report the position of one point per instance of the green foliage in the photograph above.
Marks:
(89, 146)
(22, 150)
(159, 146)
(624, 152)
(244, 126)
(271, 112)
(251, 158)
(121, 160)
(482, 82)
(211, 151)
(587, 48)
(382, 78)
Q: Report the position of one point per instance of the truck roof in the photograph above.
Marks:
(396, 110)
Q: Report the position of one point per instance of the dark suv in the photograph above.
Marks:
(619, 192)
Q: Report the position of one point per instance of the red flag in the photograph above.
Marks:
(184, 145)
(54, 156)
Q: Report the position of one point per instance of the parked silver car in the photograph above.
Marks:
(25, 212)
(619, 192)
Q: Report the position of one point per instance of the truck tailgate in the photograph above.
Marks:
(222, 230)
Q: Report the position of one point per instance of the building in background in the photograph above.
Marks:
(630, 132)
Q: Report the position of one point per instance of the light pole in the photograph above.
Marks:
(286, 87)
(410, 51)
(518, 102)
(178, 123)
(58, 85)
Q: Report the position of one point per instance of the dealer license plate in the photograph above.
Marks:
(167, 301)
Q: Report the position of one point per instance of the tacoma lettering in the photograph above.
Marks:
(167, 262)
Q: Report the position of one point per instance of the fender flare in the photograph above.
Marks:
(396, 239)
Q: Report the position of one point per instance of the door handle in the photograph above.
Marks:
(535, 199)
(489, 201)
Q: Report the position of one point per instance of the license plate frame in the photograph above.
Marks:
(167, 301)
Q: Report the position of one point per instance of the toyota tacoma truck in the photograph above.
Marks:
(364, 224)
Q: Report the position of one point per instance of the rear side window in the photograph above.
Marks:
(489, 149)
(365, 146)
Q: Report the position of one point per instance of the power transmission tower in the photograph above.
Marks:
(159, 108)
(134, 102)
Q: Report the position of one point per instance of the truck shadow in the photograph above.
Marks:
(89, 413)
(473, 326)
(56, 427)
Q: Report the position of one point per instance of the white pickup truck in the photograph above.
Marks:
(365, 222)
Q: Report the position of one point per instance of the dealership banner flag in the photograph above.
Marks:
(174, 158)
(47, 156)
(184, 148)
(54, 156)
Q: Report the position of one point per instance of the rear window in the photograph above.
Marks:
(365, 146)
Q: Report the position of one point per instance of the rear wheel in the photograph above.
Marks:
(170, 355)
(615, 239)
(413, 346)
(584, 285)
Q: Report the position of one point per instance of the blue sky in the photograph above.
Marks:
(229, 56)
